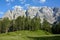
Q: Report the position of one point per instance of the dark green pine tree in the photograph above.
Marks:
(5, 25)
(18, 23)
(56, 28)
(27, 23)
(0, 25)
(36, 23)
(46, 26)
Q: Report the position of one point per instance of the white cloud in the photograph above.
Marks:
(34, 0)
(27, 5)
(22, 1)
(39, 1)
(42, 1)
(33, 7)
(16, 6)
(10, 0)
(8, 4)
(7, 0)
(1, 12)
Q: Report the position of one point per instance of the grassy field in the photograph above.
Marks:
(46, 37)
(22, 35)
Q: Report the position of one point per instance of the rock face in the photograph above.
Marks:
(50, 14)
(57, 13)
(18, 12)
(14, 13)
(42, 12)
(8, 14)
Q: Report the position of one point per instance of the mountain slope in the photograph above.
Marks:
(50, 14)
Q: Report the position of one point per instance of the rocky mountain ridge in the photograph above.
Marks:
(50, 14)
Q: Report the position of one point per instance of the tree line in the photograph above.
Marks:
(26, 23)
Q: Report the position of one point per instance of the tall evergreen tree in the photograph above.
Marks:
(56, 28)
(0, 25)
(5, 25)
(20, 23)
(46, 26)
(36, 23)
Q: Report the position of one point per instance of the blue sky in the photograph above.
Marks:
(9, 4)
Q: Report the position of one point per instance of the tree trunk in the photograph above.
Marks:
(6, 30)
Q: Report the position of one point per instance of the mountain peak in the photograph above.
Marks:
(42, 12)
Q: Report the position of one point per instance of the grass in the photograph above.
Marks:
(22, 35)
(51, 37)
